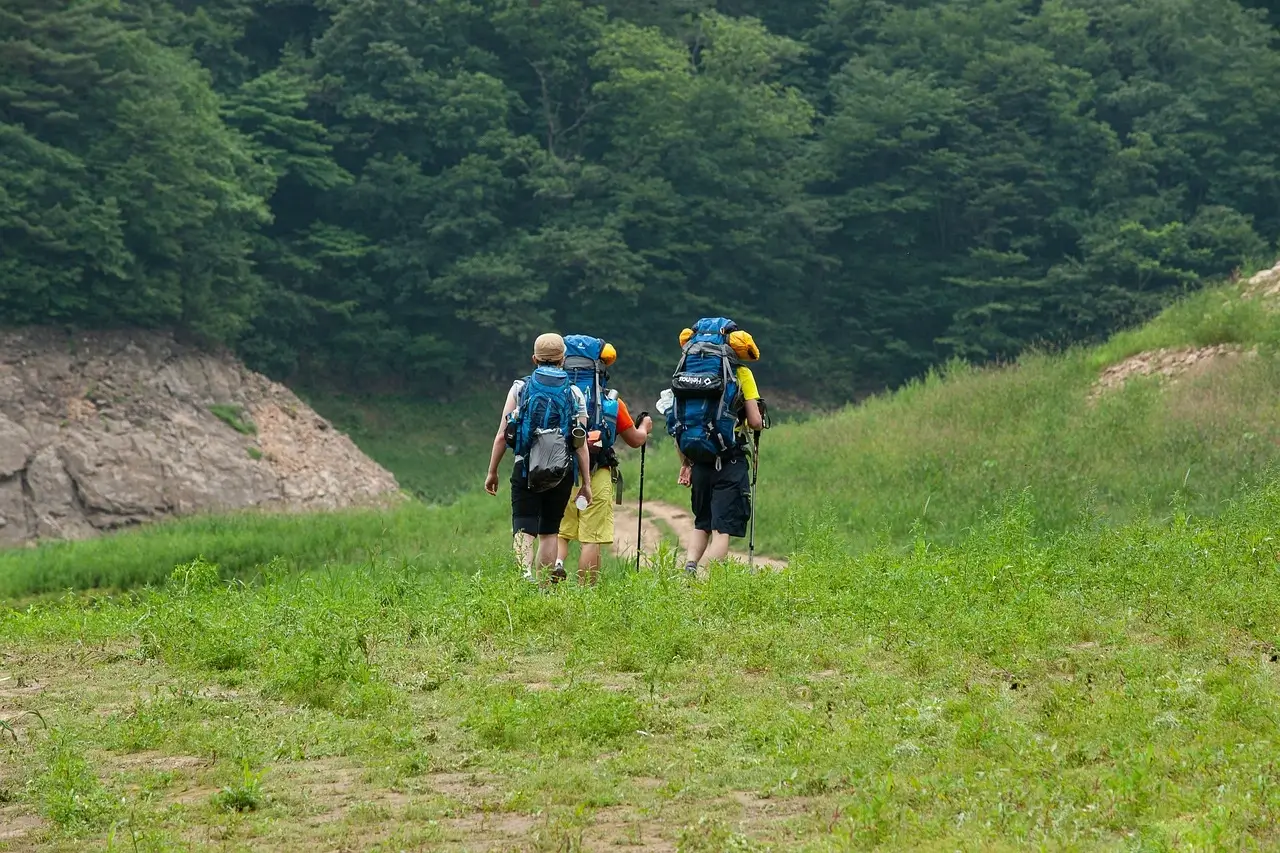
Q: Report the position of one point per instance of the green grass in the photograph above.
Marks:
(1102, 688)
(436, 538)
(437, 450)
(234, 417)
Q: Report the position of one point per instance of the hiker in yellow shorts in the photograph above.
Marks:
(609, 421)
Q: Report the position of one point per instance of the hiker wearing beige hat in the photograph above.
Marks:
(544, 423)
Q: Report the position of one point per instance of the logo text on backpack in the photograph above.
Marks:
(697, 383)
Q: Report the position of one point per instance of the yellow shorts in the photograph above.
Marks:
(595, 523)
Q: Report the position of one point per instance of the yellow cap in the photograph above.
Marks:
(608, 354)
(744, 345)
(685, 335)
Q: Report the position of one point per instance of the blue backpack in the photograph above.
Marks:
(582, 363)
(707, 396)
(539, 430)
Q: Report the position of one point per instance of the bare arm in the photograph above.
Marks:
(584, 468)
(637, 436)
(755, 419)
(499, 445)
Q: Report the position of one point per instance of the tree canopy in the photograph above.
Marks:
(351, 191)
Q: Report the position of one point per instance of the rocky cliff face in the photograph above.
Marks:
(106, 430)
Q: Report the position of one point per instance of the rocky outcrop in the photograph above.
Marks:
(100, 431)
(1166, 364)
(1264, 285)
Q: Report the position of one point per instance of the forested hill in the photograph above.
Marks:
(348, 190)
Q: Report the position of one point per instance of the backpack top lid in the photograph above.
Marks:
(543, 374)
(586, 360)
(589, 349)
(709, 327)
(742, 344)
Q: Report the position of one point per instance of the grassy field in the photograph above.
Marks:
(437, 450)
(1102, 689)
(437, 539)
(1018, 614)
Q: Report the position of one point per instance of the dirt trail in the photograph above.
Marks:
(679, 521)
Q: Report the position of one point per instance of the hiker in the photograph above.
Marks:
(715, 402)
(544, 423)
(608, 419)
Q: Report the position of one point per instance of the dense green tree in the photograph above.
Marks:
(363, 191)
(123, 195)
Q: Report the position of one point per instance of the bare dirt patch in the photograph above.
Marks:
(16, 687)
(1168, 364)
(16, 826)
(469, 788)
(329, 788)
(152, 760)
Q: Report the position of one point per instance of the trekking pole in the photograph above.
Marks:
(640, 510)
(755, 475)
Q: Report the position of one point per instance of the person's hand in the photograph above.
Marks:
(646, 424)
(585, 491)
(686, 476)
(491, 483)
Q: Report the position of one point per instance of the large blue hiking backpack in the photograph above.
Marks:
(539, 429)
(586, 370)
(704, 418)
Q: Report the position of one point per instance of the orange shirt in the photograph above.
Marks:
(624, 418)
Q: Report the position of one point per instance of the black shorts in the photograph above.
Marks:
(538, 513)
(722, 499)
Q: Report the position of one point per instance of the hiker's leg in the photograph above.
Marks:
(697, 546)
(551, 527)
(547, 551)
(562, 549)
(589, 564)
(522, 545)
(568, 527)
(730, 506)
(701, 484)
(719, 547)
(524, 524)
(595, 526)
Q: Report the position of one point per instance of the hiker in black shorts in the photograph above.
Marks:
(537, 422)
(715, 463)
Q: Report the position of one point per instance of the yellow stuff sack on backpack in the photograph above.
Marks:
(744, 346)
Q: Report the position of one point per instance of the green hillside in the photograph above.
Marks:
(933, 456)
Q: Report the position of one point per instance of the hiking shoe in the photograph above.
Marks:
(691, 570)
(558, 574)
